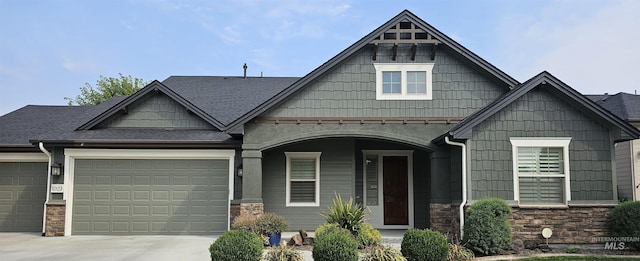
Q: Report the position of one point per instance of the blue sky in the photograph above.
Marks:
(49, 49)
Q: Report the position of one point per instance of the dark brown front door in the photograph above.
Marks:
(395, 190)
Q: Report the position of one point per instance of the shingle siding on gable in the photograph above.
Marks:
(157, 111)
(349, 89)
(541, 114)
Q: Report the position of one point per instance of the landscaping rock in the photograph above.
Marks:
(308, 241)
(303, 234)
(517, 245)
(296, 240)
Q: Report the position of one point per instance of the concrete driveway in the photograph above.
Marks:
(32, 246)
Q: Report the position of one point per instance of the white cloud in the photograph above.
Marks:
(593, 48)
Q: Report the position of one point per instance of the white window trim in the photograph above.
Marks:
(541, 142)
(302, 155)
(403, 68)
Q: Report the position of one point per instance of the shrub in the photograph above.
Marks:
(383, 253)
(271, 223)
(625, 221)
(368, 236)
(347, 215)
(487, 230)
(330, 228)
(283, 253)
(460, 253)
(335, 246)
(246, 222)
(418, 245)
(236, 245)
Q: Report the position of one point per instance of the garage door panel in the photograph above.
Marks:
(122, 195)
(122, 210)
(154, 197)
(141, 195)
(22, 195)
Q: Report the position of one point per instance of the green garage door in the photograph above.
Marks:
(150, 197)
(23, 188)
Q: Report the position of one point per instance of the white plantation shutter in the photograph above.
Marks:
(541, 174)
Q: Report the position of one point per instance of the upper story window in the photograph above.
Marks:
(541, 171)
(403, 81)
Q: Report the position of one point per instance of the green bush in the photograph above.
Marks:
(283, 253)
(625, 221)
(236, 245)
(330, 228)
(335, 246)
(418, 245)
(368, 236)
(347, 215)
(487, 230)
(383, 253)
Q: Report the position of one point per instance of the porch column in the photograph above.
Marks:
(440, 212)
(440, 176)
(251, 203)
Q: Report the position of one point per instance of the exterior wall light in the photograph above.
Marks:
(56, 169)
(240, 171)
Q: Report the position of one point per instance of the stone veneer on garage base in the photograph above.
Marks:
(55, 218)
(573, 225)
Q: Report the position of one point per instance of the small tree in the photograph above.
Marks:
(107, 88)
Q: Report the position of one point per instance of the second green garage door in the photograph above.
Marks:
(150, 197)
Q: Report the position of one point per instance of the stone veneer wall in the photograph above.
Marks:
(253, 209)
(444, 218)
(573, 225)
(55, 219)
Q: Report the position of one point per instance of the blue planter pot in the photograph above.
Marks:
(274, 239)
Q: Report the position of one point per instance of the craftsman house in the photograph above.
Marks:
(406, 121)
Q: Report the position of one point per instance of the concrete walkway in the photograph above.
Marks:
(32, 246)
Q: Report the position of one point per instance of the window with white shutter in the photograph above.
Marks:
(541, 170)
(303, 178)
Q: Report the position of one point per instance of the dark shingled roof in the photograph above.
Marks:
(625, 106)
(224, 99)
(21, 125)
(227, 98)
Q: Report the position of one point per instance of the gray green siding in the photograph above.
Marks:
(541, 114)
(623, 170)
(349, 89)
(157, 111)
(336, 176)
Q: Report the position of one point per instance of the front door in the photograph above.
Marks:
(395, 193)
(387, 186)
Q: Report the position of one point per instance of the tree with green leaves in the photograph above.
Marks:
(107, 88)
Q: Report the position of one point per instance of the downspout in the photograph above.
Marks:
(44, 213)
(464, 181)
